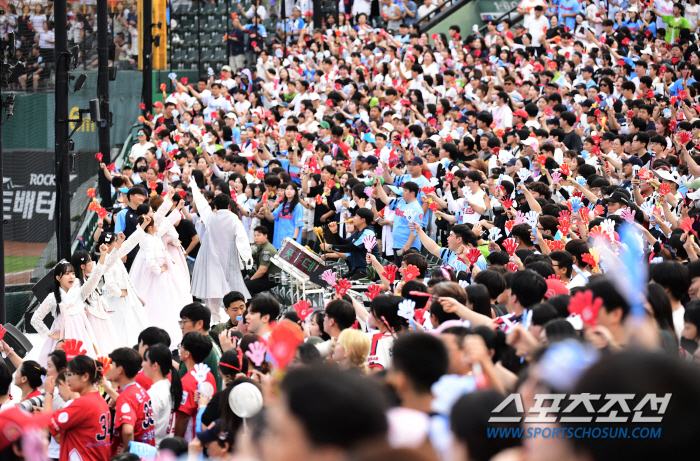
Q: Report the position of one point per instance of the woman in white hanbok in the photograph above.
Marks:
(153, 274)
(128, 314)
(66, 305)
(168, 234)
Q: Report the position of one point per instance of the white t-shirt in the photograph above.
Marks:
(678, 321)
(691, 14)
(163, 414)
(471, 216)
(138, 151)
(665, 7)
(380, 351)
(529, 16)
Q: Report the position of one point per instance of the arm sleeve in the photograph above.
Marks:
(92, 281)
(131, 243)
(202, 205)
(39, 315)
(149, 257)
(452, 204)
(119, 224)
(242, 242)
(111, 286)
(217, 171)
(299, 215)
(163, 210)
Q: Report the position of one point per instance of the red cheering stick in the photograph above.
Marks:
(142, 106)
(584, 304)
(685, 137)
(410, 272)
(91, 192)
(2, 332)
(105, 363)
(541, 159)
(102, 212)
(98, 156)
(423, 294)
(330, 184)
(473, 255)
(507, 203)
(555, 245)
(449, 177)
(303, 309)
(510, 245)
(182, 194)
(512, 266)
(183, 80)
(509, 225)
(418, 314)
(73, 348)
(564, 169)
(598, 210)
(687, 225)
(111, 167)
(153, 185)
(280, 198)
(427, 190)
(433, 206)
(390, 273)
(373, 291)
(342, 287)
(94, 205)
(319, 200)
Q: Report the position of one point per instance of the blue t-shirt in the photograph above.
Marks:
(678, 85)
(401, 231)
(568, 7)
(286, 222)
(421, 181)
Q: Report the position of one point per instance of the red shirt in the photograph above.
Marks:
(143, 381)
(134, 408)
(84, 425)
(188, 405)
(35, 393)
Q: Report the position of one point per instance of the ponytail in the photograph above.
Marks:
(160, 354)
(84, 365)
(33, 372)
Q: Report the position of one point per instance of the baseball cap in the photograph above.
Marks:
(388, 126)
(617, 197)
(226, 68)
(463, 119)
(588, 69)
(396, 190)
(371, 159)
(16, 422)
(157, 104)
(520, 113)
(555, 287)
(416, 160)
(634, 160)
(668, 175)
(123, 190)
(216, 433)
(511, 162)
(324, 124)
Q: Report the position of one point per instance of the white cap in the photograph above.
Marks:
(388, 126)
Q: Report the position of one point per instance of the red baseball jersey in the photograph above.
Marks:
(188, 405)
(134, 408)
(84, 425)
(144, 381)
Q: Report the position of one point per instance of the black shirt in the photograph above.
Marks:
(186, 231)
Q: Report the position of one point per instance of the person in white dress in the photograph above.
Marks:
(165, 394)
(153, 274)
(66, 305)
(98, 312)
(167, 232)
(128, 314)
(225, 249)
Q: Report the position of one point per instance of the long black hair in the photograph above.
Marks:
(33, 372)
(62, 268)
(160, 354)
(82, 364)
(295, 200)
(385, 309)
(58, 357)
(78, 259)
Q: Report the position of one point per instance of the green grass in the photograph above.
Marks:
(20, 263)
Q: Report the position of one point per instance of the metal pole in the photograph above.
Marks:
(226, 31)
(318, 16)
(2, 231)
(103, 97)
(283, 13)
(62, 159)
(147, 89)
(199, 38)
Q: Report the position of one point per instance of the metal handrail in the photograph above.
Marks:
(501, 18)
(439, 14)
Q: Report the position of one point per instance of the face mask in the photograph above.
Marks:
(689, 345)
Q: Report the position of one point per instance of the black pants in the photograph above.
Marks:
(259, 285)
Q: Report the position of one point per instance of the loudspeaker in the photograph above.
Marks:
(95, 110)
(44, 286)
(17, 341)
